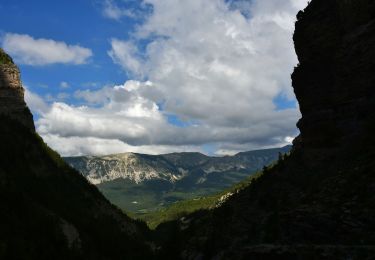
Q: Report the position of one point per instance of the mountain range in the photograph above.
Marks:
(140, 183)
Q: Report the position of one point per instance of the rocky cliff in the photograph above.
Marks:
(318, 202)
(334, 82)
(48, 210)
(12, 93)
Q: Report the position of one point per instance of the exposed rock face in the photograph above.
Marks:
(170, 167)
(12, 101)
(334, 83)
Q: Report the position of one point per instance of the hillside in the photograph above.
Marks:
(48, 210)
(140, 183)
(318, 202)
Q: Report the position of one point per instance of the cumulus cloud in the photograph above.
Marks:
(204, 55)
(30, 51)
(122, 113)
(213, 69)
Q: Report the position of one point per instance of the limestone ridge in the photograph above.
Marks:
(12, 101)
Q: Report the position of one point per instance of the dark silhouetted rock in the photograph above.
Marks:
(47, 209)
(334, 82)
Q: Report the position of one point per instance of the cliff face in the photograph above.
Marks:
(12, 93)
(48, 210)
(334, 82)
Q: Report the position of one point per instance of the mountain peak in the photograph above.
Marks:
(12, 102)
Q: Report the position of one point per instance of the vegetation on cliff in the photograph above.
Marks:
(5, 58)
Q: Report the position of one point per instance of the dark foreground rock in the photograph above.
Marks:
(47, 209)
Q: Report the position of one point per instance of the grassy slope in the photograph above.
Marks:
(154, 195)
(183, 208)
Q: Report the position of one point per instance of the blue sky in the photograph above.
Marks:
(153, 76)
(79, 23)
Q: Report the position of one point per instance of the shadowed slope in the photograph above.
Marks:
(48, 210)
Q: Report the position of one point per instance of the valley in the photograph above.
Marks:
(312, 200)
(140, 184)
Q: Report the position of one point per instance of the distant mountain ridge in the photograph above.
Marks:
(170, 167)
(127, 179)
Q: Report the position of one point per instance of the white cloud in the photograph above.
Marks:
(204, 55)
(113, 11)
(36, 104)
(76, 146)
(64, 85)
(216, 67)
(122, 113)
(126, 55)
(30, 51)
(289, 139)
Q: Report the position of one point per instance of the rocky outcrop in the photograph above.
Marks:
(12, 101)
(334, 82)
(48, 210)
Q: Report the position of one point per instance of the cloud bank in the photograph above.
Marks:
(207, 80)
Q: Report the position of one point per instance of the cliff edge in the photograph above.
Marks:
(12, 101)
(334, 82)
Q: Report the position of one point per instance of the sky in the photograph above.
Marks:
(156, 76)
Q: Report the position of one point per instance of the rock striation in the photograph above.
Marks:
(12, 101)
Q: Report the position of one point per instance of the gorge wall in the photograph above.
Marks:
(334, 82)
(12, 101)
(48, 210)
